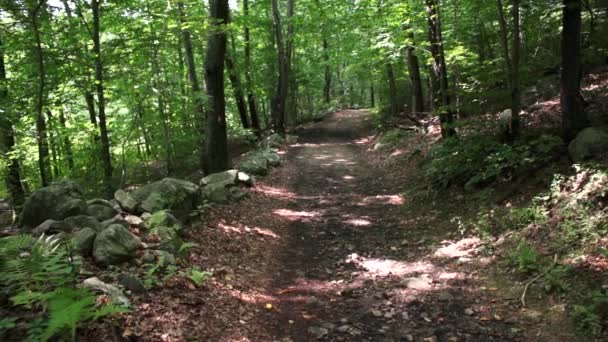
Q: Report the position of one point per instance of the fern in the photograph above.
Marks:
(67, 307)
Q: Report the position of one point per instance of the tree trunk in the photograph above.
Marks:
(197, 96)
(392, 88)
(41, 130)
(106, 157)
(414, 72)
(253, 112)
(237, 90)
(504, 40)
(280, 98)
(372, 96)
(515, 92)
(574, 119)
(12, 177)
(67, 144)
(216, 140)
(52, 144)
(439, 77)
(327, 85)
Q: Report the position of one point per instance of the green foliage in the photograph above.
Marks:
(392, 138)
(501, 219)
(478, 160)
(41, 275)
(591, 317)
(186, 246)
(526, 258)
(197, 276)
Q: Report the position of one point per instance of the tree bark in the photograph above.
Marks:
(392, 88)
(504, 40)
(372, 96)
(106, 157)
(41, 130)
(12, 177)
(237, 89)
(515, 92)
(253, 112)
(197, 96)
(280, 97)
(327, 84)
(216, 157)
(414, 72)
(439, 77)
(574, 118)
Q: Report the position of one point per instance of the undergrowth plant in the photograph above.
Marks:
(477, 160)
(40, 276)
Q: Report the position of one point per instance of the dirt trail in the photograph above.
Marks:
(329, 247)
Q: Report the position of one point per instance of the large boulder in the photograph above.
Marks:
(57, 201)
(590, 142)
(227, 177)
(166, 228)
(49, 227)
(114, 245)
(254, 165)
(81, 221)
(271, 156)
(126, 202)
(273, 141)
(101, 209)
(173, 194)
(83, 241)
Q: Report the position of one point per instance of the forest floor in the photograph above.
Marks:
(330, 246)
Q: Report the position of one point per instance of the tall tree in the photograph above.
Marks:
(216, 157)
(413, 67)
(515, 91)
(439, 76)
(12, 177)
(106, 157)
(253, 111)
(574, 117)
(237, 90)
(35, 14)
(280, 97)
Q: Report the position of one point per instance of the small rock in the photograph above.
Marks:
(115, 245)
(376, 313)
(131, 283)
(244, 178)
(115, 294)
(115, 220)
(469, 312)
(421, 283)
(318, 332)
(135, 221)
(344, 328)
(101, 209)
(445, 297)
(430, 339)
(81, 221)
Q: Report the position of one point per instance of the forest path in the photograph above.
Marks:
(330, 247)
(353, 265)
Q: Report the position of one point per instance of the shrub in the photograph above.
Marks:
(478, 160)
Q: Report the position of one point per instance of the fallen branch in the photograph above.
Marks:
(523, 295)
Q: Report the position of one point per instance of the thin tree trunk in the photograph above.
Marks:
(53, 144)
(504, 40)
(237, 89)
(439, 78)
(197, 96)
(392, 88)
(253, 112)
(106, 157)
(414, 72)
(280, 98)
(372, 96)
(574, 118)
(67, 144)
(41, 130)
(515, 92)
(217, 158)
(327, 84)
(12, 177)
